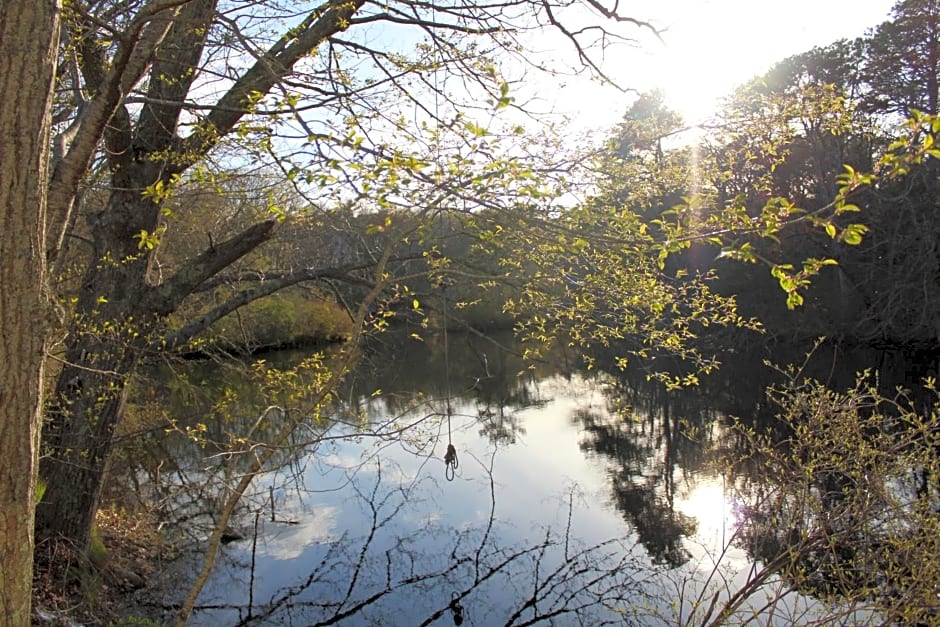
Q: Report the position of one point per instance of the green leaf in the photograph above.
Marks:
(794, 300)
(853, 234)
(477, 130)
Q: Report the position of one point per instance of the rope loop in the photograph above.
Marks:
(450, 462)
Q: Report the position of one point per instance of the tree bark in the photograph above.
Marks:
(29, 35)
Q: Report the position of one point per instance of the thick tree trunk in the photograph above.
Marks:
(78, 439)
(28, 42)
(112, 323)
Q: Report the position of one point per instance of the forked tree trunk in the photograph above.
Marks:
(118, 311)
(28, 42)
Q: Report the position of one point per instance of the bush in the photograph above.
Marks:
(281, 320)
(843, 506)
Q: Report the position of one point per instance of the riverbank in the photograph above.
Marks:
(98, 589)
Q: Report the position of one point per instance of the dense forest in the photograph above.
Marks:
(228, 178)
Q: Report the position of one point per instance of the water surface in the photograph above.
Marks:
(580, 498)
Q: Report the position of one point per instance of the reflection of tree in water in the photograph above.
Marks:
(836, 508)
(394, 573)
(653, 441)
(645, 434)
(498, 400)
(482, 371)
(825, 481)
(215, 400)
(468, 570)
(642, 481)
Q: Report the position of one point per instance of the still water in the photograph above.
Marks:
(578, 499)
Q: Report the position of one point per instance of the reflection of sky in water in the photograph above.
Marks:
(429, 542)
(287, 542)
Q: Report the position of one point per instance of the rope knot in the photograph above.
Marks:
(450, 462)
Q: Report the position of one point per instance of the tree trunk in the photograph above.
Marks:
(119, 311)
(118, 316)
(113, 322)
(87, 405)
(28, 43)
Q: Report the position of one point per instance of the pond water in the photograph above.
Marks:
(579, 498)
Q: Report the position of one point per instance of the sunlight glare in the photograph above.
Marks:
(711, 506)
(710, 47)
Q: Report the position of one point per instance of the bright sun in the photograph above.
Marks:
(709, 47)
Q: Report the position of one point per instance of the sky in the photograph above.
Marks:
(711, 46)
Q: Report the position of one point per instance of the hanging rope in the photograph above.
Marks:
(451, 463)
